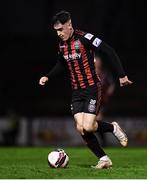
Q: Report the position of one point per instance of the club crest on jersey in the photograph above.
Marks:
(77, 44)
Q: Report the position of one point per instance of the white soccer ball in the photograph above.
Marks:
(58, 158)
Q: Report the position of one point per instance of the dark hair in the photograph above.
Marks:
(61, 17)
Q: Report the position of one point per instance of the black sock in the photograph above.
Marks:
(103, 139)
(104, 127)
(93, 144)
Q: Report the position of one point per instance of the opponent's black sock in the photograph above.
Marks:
(93, 144)
(104, 127)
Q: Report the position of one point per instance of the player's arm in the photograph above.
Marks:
(98, 46)
(116, 63)
(57, 69)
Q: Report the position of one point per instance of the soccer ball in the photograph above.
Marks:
(58, 158)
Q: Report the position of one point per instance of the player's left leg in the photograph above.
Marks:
(104, 127)
(102, 136)
(120, 134)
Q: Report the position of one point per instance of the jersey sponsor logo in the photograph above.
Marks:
(97, 42)
(70, 57)
(89, 36)
(92, 105)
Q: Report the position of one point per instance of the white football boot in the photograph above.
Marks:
(103, 164)
(120, 134)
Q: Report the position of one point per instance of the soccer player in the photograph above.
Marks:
(76, 50)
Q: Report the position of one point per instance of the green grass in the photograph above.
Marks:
(32, 163)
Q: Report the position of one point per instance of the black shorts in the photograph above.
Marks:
(86, 100)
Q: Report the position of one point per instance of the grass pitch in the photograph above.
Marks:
(31, 163)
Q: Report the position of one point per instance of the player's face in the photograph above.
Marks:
(64, 31)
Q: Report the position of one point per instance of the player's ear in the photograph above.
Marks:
(70, 24)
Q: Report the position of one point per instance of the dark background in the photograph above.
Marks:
(29, 50)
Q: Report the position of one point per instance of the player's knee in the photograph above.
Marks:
(79, 128)
(88, 128)
(95, 126)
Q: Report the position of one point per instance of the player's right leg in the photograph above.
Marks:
(89, 124)
(92, 142)
(104, 163)
(90, 139)
(79, 122)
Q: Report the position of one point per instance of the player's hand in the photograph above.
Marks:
(43, 80)
(124, 81)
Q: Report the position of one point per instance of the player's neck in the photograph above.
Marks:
(71, 35)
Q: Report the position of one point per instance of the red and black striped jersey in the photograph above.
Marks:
(79, 55)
